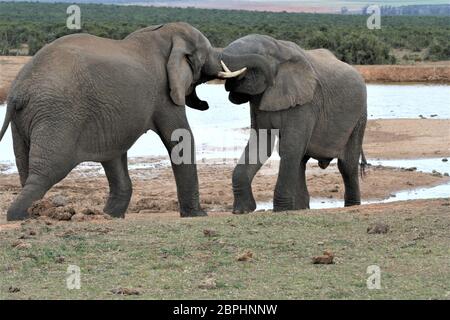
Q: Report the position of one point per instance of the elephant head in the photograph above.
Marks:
(191, 60)
(278, 74)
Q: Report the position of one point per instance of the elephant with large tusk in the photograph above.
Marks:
(316, 102)
(85, 98)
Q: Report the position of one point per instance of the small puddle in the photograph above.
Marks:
(424, 165)
(440, 191)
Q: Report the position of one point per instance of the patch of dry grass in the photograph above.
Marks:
(173, 259)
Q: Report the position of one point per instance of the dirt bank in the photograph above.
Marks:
(407, 138)
(9, 67)
(431, 73)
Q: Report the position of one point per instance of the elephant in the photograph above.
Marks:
(85, 98)
(314, 103)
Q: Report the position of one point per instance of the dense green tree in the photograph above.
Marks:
(347, 36)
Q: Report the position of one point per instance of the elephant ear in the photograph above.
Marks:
(294, 85)
(179, 72)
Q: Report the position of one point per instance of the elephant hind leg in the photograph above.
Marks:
(22, 153)
(119, 185)
(348, 165)
(302, 192)
(48, 163)
(35, 188)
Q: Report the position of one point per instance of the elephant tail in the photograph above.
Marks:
(363, 164)
(9, 113)
(13, 105)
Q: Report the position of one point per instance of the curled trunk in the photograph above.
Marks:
(249, 61)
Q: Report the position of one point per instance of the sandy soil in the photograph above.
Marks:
(407, 138)
(155, 192)
(9, 67)
(424, 72)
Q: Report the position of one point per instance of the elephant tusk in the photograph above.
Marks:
(227, 73)
(224, 66)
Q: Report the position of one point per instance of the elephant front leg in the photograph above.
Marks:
(119, 185)
(179, 142)
(187, 188)
(291, 192)
(250, 162)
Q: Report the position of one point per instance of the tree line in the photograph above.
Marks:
(34, 24)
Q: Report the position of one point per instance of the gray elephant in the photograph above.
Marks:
(85, 98)
(317, 103)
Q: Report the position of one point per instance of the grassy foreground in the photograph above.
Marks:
(171, 258)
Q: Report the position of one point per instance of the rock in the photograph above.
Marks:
(21, 245)
(60, 259)
(444, 160)
(59, 201)
(434, 173)
(246, 256)
(208, 283)
(12, 289)
(210, 233)
(335, 189)
(89, 215)
(411, 169)
(378, 228)
(126, 291)
(326, 258)
(92, 212)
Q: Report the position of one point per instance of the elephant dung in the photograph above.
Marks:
(45, 208)
(326, 258)
(378, 228)
(246, 256)
(126, 291)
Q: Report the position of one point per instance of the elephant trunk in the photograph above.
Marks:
(249, 61)
(212, 65)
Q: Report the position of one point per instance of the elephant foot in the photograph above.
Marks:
(193, 213)
(17, 215)
(350, 203)
(289, 204)
(116, 209)
(244, 206)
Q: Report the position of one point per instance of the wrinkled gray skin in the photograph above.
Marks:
(316, 101)
(85, 98)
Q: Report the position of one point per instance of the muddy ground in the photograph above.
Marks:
(155, 191)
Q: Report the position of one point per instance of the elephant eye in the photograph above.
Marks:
(189, 59)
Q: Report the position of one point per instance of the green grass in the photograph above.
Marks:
(168, 259)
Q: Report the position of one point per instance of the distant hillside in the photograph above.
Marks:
(27, 27)
(417, 10)
(394, 8)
